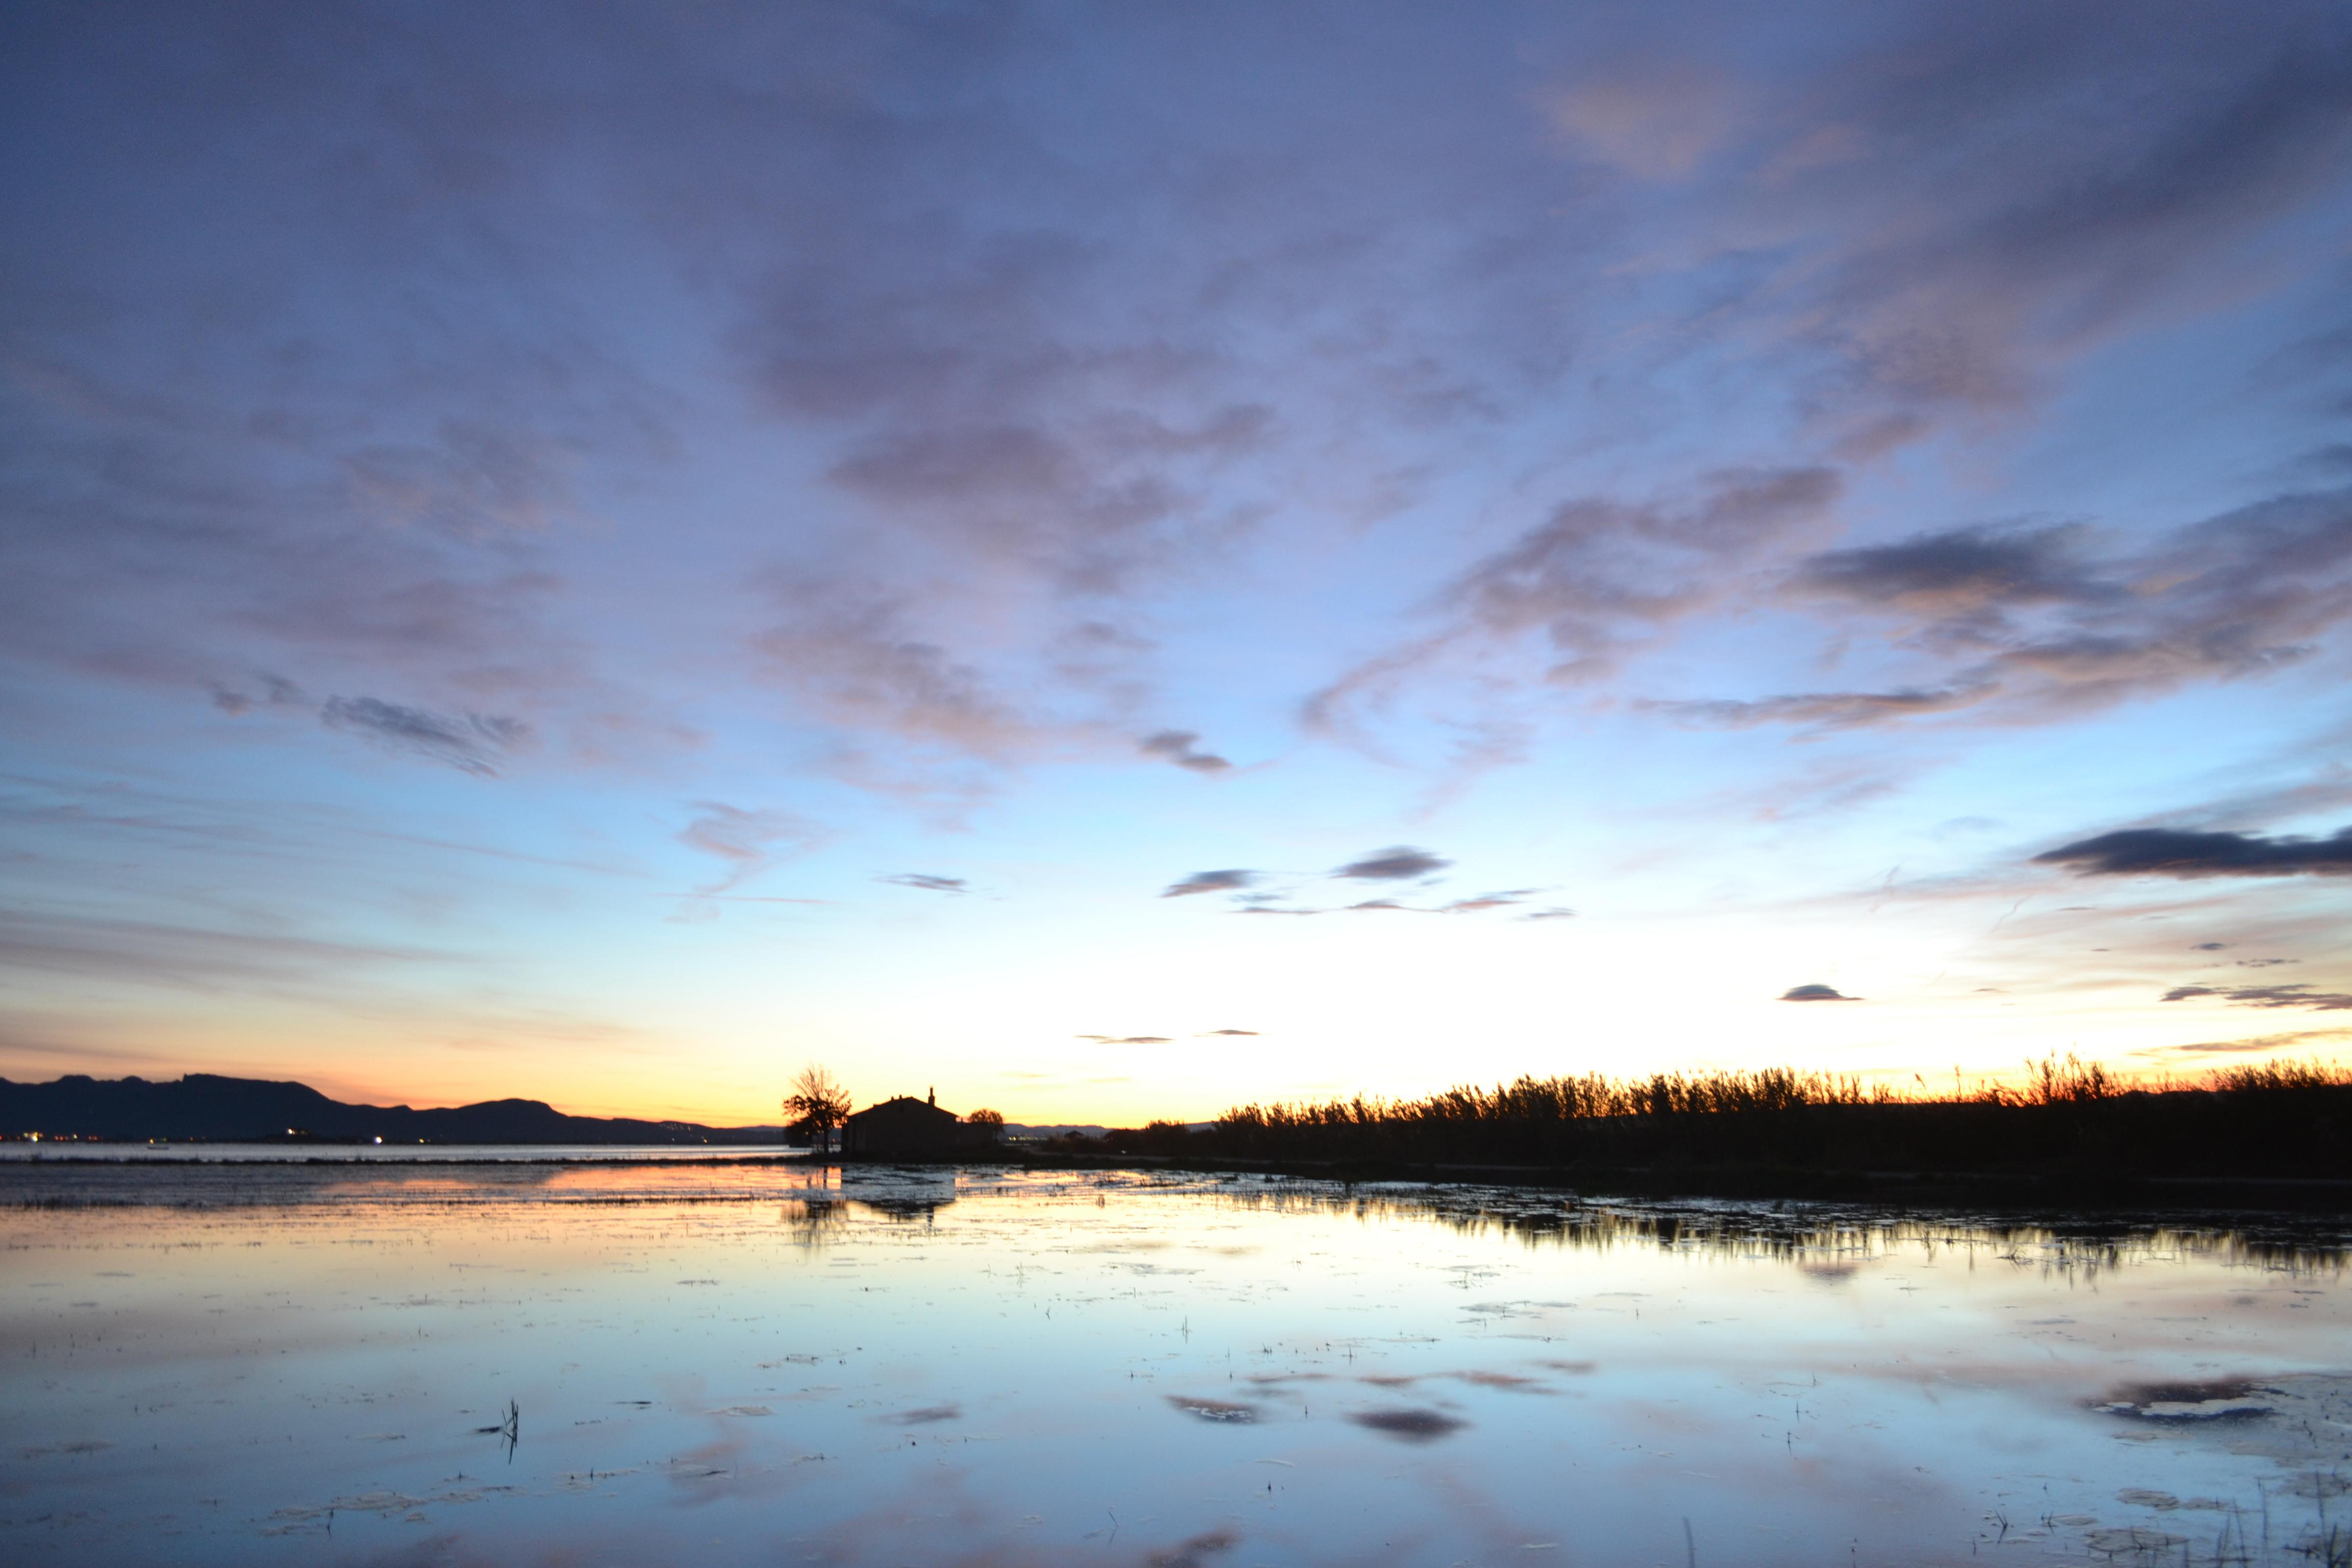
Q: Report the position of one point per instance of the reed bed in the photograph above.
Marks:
(2268, 1119)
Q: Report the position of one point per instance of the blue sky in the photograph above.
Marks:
(602, 553)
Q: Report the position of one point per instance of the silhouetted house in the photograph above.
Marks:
(904, 1128)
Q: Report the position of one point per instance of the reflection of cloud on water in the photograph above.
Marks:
(1190, 1554)
(1360, 1322)
(1573, 1368)
(1504, 1380)
(925, 1417)
(1412, 1426)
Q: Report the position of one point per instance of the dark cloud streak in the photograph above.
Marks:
(1400, 863)
(2267, 996)
(2184, 853)
(1209, 882)
(926, 882)
(472, 743)
(1181, 747)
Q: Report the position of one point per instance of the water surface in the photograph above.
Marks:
(165, 1152)
(763, 1362)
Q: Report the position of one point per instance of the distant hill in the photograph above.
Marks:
(211, 1109)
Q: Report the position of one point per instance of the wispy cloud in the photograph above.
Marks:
(473, 742)
(2267, 996)
(927, 882)
(142, 953)
(2300, 1039)
(747, 841)
(1597, 579)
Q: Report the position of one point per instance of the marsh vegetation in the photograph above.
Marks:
(2068, 1120)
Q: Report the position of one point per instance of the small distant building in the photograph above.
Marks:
(904, 1128)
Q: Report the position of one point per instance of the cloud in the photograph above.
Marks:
(1496, 349)
(156, 953)
(1821, 709)
(472, 743)
(2180, 852)
(2034, 624)
(1656, 121)
(1485, 902)
(1212, 1034)
(1598, 578)
(1816, 992)
(925, 881)
(748, 841)
(1916, 229)
(1458, 907)
(1179, 747)
(1127, 1039)
(277, 691)
(2301, 1037)
(2061, 210)
(1961, 572)
(1599, 569)
(1209, 882)
(1551, 914)
(2267, 996)
(1400, 863)
(851, 656)
(957, 464)
(1044, 378)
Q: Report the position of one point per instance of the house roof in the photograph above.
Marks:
(901, 1106)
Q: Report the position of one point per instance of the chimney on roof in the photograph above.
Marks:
(934, 1096)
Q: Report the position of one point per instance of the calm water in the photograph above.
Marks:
(379, 1153)
(781, 1365)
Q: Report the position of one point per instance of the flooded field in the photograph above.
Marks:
(771, 1363)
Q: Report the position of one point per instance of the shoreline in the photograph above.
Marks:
(2074, 1190)
(2044, 1190)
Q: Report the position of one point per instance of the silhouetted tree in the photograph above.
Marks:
(991, 1119)
(817, 1103)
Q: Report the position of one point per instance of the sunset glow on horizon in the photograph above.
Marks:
(1114, 563)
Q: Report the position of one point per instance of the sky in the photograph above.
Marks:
(1111, 561)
